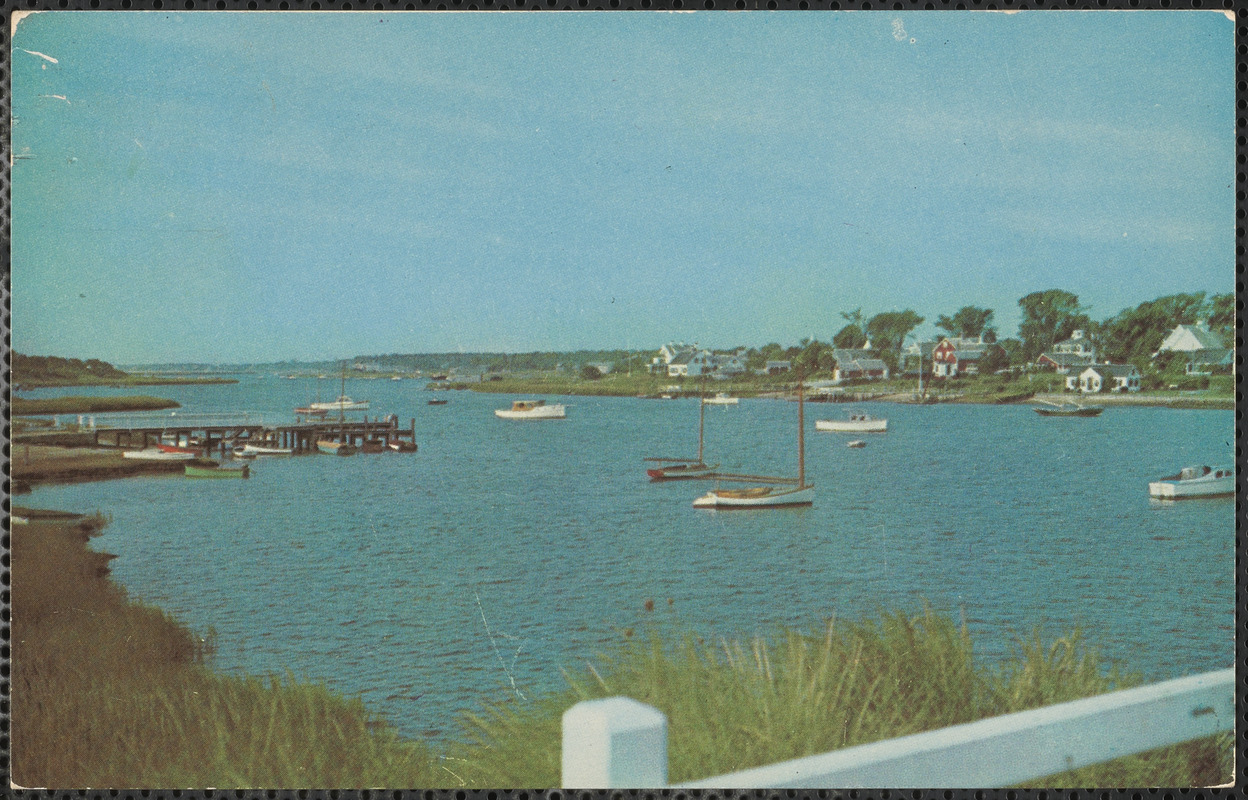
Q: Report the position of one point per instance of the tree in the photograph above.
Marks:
(850, 337)
(590, 372)
(1221, 315)
(816, 356)
(1049, 317)
(1134, 334)
(968, 322)
(993, 359)
(888, 333)
(855, 318)
(1013, 351)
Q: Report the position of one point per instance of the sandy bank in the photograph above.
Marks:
(33, 463)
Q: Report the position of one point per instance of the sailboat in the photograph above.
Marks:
(343, 403)
(776, 496)
(681, 468)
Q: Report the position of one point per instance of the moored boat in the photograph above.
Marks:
(531, 409)
(216, 470)
(343, 403)
(401, 446)
(784, 493)
(262, 449)
(373, 446)
(1068, 410)
(1196, 481)
(332, 448)
(438, 402)
(722, 399)
(858, 422)
(857, 443)
(672, 469)
(173, 448)
(156, 454)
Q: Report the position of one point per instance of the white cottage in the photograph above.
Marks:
(1106, 377)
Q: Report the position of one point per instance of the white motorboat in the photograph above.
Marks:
(1199, 481)
(722, 399)
(531, 409)
(265, 450)
(156, 454)
(856, 423)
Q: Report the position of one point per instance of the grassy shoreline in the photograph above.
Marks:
(89, 405)
(108, 692)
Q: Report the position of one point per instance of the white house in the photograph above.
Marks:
(1202, 348)
(1070, 355)
(858, 364)
(728, 365)
(1106, 377)
(689, 364)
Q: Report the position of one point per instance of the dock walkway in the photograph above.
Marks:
(220, 431)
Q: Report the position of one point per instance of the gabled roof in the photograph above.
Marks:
(1114, 370)
(851, 353)
(684, 357)
(1207, 339)
(1217, 356)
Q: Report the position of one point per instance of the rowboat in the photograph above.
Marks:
(1192, 482)
(173, 448)
(722, 399)
(156, 454)
(217, 471)
(333, 448)
(1068, 410)
(684, 468)
(857, 443)
(796, 493)
(857, 422)
(531, 409)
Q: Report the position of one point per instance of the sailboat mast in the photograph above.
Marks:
(701, 423)
(342, 411)
(801, 437)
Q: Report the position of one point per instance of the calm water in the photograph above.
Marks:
(504, 551)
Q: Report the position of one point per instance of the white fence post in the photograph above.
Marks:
(614, 743)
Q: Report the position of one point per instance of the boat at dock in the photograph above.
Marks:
(783, 493)
(262, 449)
(173, 448)
(400, 446)
(1067, 410)
(1193, 482)
(216, 470)
(373, 446)
(857, 422)
(531, 409)
(157, 454)
(334, 448)
(684, 468)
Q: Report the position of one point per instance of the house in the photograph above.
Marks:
(1070, 354)
(954, 356)
(728, 365)
(858, 364)
(1107, 378)
(1203, 349)
(689, 364)
(669, 353)
(776, 367)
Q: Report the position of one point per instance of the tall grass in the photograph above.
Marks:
(89, 405)
(107, 692)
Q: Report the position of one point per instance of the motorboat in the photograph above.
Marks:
(262, 449)
(857, 422)
(722, 399)
(857, 443)
(1068, 410)
(531, 409)
(400, 446)
(1198, 481)
(343, 403)
(156, 454)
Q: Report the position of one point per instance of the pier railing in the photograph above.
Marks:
(621, 743)
(183, 419)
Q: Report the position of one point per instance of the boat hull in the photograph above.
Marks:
(678, 472)
(852, 425)
(1218, 483)
(1092, 411)
(763, 497)
(157, 455)
(541, 412)
(262, 450)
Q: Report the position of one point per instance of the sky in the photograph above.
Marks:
(247, 186)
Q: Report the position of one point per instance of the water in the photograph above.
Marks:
(503, 552)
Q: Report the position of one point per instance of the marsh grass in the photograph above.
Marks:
(109, 693)
(89, 405)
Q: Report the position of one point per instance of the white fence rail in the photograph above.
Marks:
(620, 743)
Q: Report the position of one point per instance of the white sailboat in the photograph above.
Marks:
(783, 493)
(684, 468)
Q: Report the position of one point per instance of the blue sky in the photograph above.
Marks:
(257, 186)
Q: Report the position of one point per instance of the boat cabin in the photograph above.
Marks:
(527, 405)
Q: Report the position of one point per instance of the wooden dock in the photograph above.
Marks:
(301, 436)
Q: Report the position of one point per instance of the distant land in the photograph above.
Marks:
(38, 371)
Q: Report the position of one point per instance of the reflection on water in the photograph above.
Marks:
(502, 551)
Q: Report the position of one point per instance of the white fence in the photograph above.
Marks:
(620, 743)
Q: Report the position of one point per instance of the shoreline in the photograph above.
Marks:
(35, 464)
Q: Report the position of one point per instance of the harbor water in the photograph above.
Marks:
(505, 552)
